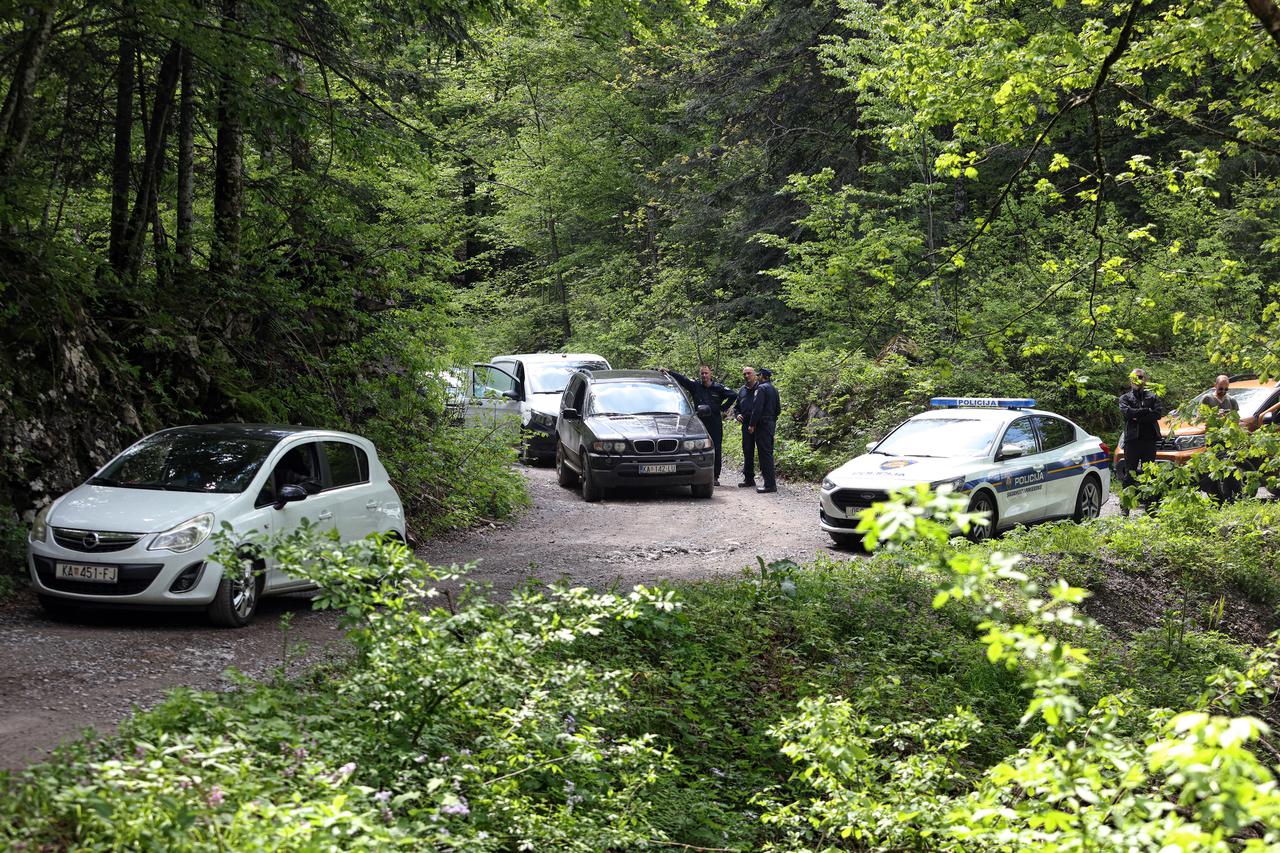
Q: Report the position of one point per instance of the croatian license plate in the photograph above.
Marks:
(81, 572)
(658, 469)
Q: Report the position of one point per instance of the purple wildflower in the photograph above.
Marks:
(382, 797)
(459, 808)
(215, 797)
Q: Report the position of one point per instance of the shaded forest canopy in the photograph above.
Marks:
(295, 212)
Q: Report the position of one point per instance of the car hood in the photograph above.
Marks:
(131, 510)
(546, 403)
(876, 471)
(645, 426)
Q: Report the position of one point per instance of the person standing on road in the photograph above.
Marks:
(742, 414)
(717, 399)
(765, 409)
(1228, 488)
(1141, 411)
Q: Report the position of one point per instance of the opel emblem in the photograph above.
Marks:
(90, 540)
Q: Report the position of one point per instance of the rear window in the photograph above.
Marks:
(348, 464)
(1055, 432)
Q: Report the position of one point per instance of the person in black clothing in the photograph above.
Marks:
(742, 414)
(765, 409)
(714, 396)
(1141, 411)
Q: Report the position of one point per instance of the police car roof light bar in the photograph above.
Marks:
(981, 403)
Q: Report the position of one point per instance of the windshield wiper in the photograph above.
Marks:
(104, 481)
(671, 414)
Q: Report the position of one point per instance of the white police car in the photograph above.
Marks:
(1018, 464)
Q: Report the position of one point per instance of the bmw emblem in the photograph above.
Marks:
(90, 540)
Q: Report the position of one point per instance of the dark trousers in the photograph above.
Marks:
(748, 455)
(764, 444)
(715, 428)
(1136, 455)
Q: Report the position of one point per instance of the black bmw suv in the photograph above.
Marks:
(630, 428)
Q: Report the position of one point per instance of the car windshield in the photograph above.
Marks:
(638, 398)
(188, 462)
(1250, 400)
(949, 438)
(551, 378)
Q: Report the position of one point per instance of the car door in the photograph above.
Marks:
(569, 430)
(494, 399)
(1022, 487)
(355, 504)
(1066, 466)
(300, 465)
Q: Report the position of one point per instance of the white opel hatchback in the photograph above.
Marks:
(138, 533)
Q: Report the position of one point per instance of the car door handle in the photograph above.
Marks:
(326, 515)
(372, 505)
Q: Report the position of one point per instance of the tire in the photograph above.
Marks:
(236, 600)
(703, 491)
(592, 491)
(57, 609)
(847, 541)
(565, 475)
(1088, 499)
(983, 502)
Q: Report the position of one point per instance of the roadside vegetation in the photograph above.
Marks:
(897, 701)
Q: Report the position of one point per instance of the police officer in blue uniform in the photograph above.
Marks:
(717, 399)
(742, 414)
(765, 409)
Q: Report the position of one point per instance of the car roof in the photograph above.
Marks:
(975, 413)
(629, 375)
(1251, 383)
(269, 432)
(535, 357)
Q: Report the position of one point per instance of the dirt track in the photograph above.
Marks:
(59, 678)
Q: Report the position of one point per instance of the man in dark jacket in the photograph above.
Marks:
(765, 409)
(1141, 411)
(742, 414)
(715, 397)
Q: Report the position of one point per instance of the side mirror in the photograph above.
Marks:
(288, 494)
(871, 445)
(704, 410)
(512, 395)
(1009, 451)
(570, 414)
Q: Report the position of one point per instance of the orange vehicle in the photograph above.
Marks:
(1183, 437)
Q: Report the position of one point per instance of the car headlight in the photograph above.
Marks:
(40, 525)
(828, 484)
(609, 446)
(184, 536)
(1189, 442)
(955, 484)
(542, 419)
(697, 444)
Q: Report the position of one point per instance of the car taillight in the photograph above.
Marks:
(1106, 448)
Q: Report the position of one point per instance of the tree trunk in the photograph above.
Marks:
(562, 292)
(228, 182)
(18, 113)
(1269, 15)
(186, 160)
(122, 159)
(148, 182)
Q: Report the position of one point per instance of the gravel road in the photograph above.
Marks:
(58, 678)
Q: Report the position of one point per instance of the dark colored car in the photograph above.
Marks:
(631, 428)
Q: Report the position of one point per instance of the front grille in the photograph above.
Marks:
(644, 445)
(668, 445)
(131, 578)
(857, 498)
(94, 541)
(1166, 445)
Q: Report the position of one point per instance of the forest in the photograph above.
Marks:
(289, 212)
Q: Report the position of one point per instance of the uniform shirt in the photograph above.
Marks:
(715, 395)
(1210, 399)
(1141, 411)
(766, 406)
(746, 395)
